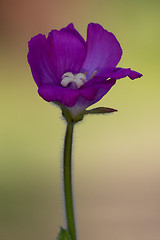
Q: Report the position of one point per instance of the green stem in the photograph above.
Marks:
(67, 178)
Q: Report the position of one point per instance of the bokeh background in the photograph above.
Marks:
(116, 157)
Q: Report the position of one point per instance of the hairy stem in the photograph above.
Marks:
(67, 178)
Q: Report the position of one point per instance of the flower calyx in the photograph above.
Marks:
(70, 119)
(68, 116)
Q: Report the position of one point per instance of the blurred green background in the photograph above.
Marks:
(116, 157)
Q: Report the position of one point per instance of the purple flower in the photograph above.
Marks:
(73, 72)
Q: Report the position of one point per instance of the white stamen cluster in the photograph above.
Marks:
(68, 77)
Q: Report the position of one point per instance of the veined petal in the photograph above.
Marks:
(70, 28)
(65, 96)
(102, 89)
(88, 93)
(123, 72)
(91, 95)
(91, 92)
(68, 51)
(40, 61)
(103, 51)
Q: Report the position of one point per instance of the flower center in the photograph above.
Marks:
(77, 79)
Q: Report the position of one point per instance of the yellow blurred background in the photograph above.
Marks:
(116, 160)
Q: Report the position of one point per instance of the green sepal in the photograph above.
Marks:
(63, 235)
(100, 110)
(67, 115)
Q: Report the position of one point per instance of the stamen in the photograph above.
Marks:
(93, 74)
(79, 79)
(67, 78)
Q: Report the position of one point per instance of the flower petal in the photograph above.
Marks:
(40, 61)
(76, 100)
(103, 51)
(94, 92)
(124, 72)
(88, 93)
(65, 96)
(91, 95)
(67, 50)
(70, 28)
(103, 88)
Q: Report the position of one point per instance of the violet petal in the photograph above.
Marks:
(88, 93)
(103, 51)
(40, 61)
(124, 72)
(65, 96)
(68, 52)
(90, 96)
(103, 88)
(97, 90)
(70, 28)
